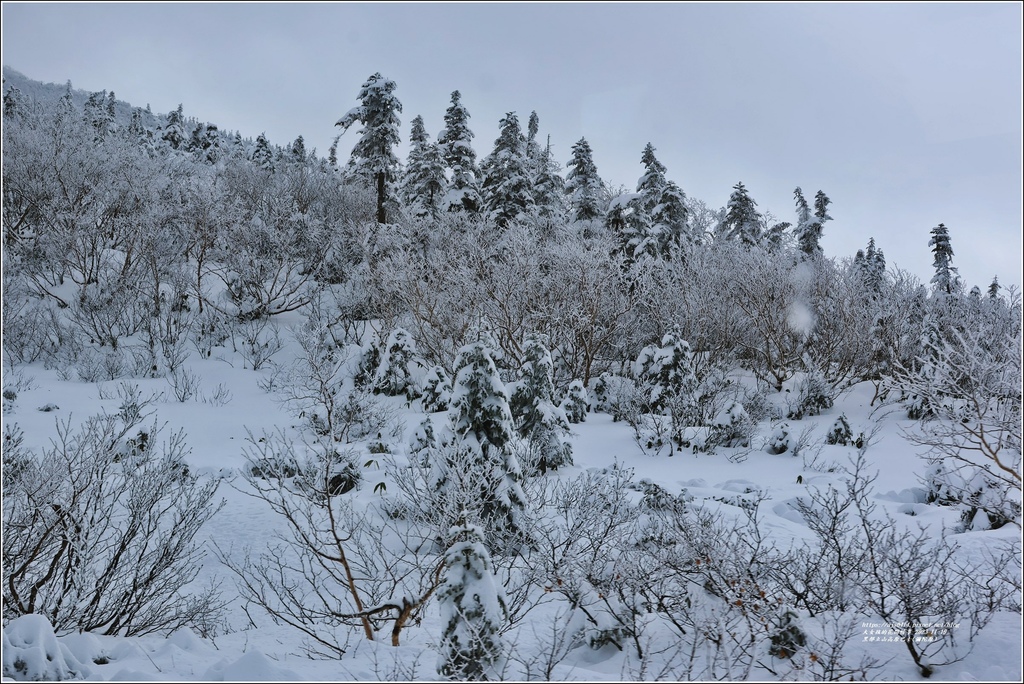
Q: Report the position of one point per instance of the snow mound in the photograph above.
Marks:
(31, 653)
(251, 667)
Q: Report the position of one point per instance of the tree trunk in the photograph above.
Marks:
(382, 216)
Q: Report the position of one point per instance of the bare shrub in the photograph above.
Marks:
(99, 532)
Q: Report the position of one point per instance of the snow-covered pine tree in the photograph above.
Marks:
(481, 427)
(993, 289)
(549, 187)
(663, 202)
(99, 113)
(946, 280)
(808, 228)
(506, 189)
(262, 156)
(393, 376)
(472, 607)
(425, 183)
(373, 156)
(652, 183)
(582, 184)
(173, 132)
(629, 223)
(536, 416)
(669, 219)
(742, 221)
(455, 144)
(576, 402)
(666, 372)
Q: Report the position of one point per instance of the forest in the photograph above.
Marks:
(490, 377)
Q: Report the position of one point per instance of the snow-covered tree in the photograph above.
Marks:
(393, 376)
(478, 451)
(946, 280)
(373, 156)
(668, 219)
(548, 187)
(455, 143)
(742, 221)
(583, 186)
(472, 607)
(506, 189)
(536, 416)
(262, 156)
(653, 182)
(173, 131)
(425, 183)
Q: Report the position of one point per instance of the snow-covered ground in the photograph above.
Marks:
(248, 646)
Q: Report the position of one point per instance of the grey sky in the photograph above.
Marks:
(906, 115)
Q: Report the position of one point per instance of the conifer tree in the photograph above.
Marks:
(455, 144)
(549, 187)
(481, 427)
(652, 183)
(536, 416)
(582, 184)
(373, 156)
(262, 155)
(506, 190)
(173, 132)
(742, 222)
(424, 183)
(472, 607)
(945, 280)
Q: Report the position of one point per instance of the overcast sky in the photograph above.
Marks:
(906, 115)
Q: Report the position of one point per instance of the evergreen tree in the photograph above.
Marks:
(506, 190)
(14, 102)
(652, 183)
(668, 219)
(373, 156)
(173, 132)
(742, 221)
(993, 289)
(298, 152)
(481, 427)
(424, 183)
(262, 156)
(582, 184)
(536, 416)
(100, 115)
(455, 143)
(628, 221)
(472, 607)
(945, 280)
(809, 227)
(549, 187)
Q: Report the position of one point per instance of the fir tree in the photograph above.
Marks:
(262, 156)
(472, 607)
(455, 144)
(173, 132)
(742, 222)
(582, 184)
(628, 221)
(808, 227)
(549, 187)
(424, 183)
(298, 152)
(506, 189)
(668, 219)
(373, 156)
(536, 416)
(993, 289)
(945, 280)
(481, 427)
(652, 183)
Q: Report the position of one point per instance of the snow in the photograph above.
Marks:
(249, 646)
